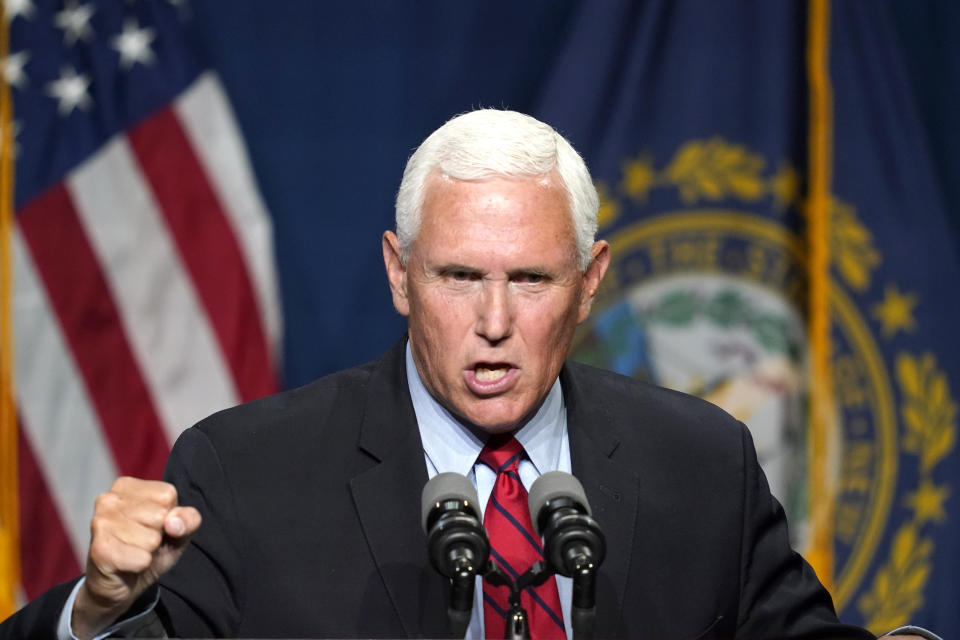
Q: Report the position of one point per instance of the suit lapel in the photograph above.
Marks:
(612, 489)
(387, 498)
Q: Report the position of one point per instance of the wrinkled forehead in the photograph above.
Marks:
(516, 219)
(439, 183)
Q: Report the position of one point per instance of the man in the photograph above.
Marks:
(297, 515)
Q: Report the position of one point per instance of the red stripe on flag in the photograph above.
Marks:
(91, 325)
(208, 246)
(46, 554)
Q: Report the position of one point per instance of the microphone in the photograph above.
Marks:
(456, 541)
(573, 544)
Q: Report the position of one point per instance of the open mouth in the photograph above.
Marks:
(490, 373)
(487, 378)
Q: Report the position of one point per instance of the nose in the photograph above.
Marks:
(495, 313)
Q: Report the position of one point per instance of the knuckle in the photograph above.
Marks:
(122, 483)
(153, 539)
(100, 550)
(154, 518)
(142, 560)
(168, 494)
(136, 560)
(98, 525)
(106, 501)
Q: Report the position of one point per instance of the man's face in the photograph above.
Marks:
(492, 291)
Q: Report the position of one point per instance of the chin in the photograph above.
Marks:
(494, 429)
(494, 422)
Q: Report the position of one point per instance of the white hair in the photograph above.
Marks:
(490, 143)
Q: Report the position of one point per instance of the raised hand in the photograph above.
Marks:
(138, 532)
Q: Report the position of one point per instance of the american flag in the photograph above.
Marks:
(144, 285)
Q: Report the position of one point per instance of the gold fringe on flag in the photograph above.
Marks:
(822, 427)
(9, 506)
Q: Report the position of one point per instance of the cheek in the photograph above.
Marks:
(550, 324)
(443, 320)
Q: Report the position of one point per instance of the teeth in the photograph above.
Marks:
(485, 374)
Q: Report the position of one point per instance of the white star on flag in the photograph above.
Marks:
(133, 43)
(14, 8)
(13, 69)
(74, 19)
(71, 90)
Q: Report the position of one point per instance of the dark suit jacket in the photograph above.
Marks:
(310, 501)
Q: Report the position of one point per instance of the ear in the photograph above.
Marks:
(600, 260)
(396, 272)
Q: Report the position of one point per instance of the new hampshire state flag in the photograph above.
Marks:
(780, 246)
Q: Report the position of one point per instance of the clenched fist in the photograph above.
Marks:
(137, 533)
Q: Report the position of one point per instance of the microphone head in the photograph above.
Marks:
(445, 487)
(553, 485)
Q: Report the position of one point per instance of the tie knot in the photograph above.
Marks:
(502, 453)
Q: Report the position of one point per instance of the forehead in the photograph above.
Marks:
(496, 211)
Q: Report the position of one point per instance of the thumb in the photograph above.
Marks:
(180, 524)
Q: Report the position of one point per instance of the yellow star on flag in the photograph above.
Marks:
(895, 313)
(639, 176)
(609, 207)
(927, 502)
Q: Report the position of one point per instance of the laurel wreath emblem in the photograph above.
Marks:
(851, 246)
(714, 170)
(930, 433)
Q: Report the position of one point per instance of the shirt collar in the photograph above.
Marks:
(450, 446)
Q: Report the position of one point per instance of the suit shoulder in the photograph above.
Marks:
(303, 408)
(636, 408)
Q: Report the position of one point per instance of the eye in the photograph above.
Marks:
(460, 275)
(531, 277)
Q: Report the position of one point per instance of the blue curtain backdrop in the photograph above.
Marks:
(693, 117)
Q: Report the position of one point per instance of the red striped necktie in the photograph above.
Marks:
(515, 547)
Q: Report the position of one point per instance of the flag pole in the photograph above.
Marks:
(9, 506)
(821, 467)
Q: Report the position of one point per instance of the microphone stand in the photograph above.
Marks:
(517, 622)
(584, 609)
(583, 613)
(461, 597)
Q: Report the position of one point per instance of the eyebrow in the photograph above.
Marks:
(454, 268)
(447, 269)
